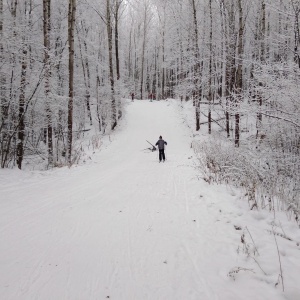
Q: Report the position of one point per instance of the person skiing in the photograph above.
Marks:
(161, 147)
(132, 96)
(150, 96)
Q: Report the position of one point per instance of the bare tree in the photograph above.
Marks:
(21, 123)
(111, 67)
(197, 74)
(85, 69)
(146, 21)
(296, 8)
(3, 103)
(46, 31)
(210, 94)
(261, 37)
(117, 17)
(239, 73)
(71, 26)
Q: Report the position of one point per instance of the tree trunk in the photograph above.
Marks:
(46, 31)
(197, 74)
(230, 64)
(21, 117)
(118, 3)
(60, 147)
(239, 77)
(111, 68)
(143, 51)
(3, 101)
(296, 34)
(210, 95)
(21, 121)
(262, 35)
(98, 101)
(163, 66)
(263, 31)
(227, 75)
(130, 72)
(88, 80)
(86, 74)
(163, 46)
(71, 26)
(118, 101)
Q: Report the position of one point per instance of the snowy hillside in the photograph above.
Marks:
(126, 227)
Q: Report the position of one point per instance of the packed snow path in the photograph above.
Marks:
(122, 226)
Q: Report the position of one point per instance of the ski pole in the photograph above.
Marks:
(150, 144)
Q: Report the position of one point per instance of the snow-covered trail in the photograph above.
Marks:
(123, 227)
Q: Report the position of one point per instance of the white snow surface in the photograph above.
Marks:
(124, 226)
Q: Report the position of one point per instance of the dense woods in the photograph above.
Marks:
(66, 66)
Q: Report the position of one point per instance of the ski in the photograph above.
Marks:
(153, 147)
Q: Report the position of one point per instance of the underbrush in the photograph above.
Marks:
(269, 179)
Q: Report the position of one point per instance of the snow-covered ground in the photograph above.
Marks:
(124, 226)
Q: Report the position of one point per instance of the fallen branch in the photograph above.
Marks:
(252, 241)
(281, 272)
(281, 235)
(215, 121)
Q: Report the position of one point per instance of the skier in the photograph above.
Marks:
(150, 96)
(132, 96)
(161, 147)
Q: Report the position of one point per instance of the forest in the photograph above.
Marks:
(66, 66)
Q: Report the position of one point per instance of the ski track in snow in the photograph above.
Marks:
(123, 227)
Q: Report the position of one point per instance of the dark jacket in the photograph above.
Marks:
(161, 144)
